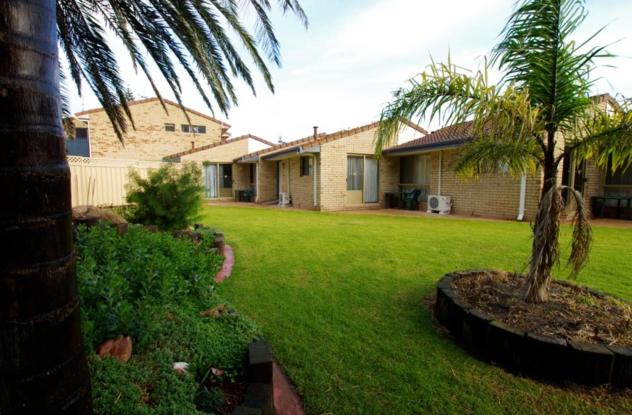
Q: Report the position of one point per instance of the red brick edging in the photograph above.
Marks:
(227, 266)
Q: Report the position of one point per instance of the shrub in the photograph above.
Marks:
(153, 287)
(169, 198)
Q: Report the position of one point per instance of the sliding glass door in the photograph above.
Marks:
(371, 185)
(218, 180)
(362, 180)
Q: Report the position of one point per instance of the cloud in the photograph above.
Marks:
(341, 72)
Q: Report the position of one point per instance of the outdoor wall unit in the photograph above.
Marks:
(284, 199)
(439, 204)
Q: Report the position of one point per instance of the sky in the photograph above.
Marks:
(342, 70)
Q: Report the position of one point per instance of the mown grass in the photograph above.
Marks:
(340, 297)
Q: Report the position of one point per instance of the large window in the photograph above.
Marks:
(415, 170)
(619, 177)
(355, 172)
(197, 129)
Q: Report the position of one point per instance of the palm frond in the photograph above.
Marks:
(605, 138)
(545, 252)
(199, 35)
(488, 155)
(442, 91)
(537, 52)
(582, 233)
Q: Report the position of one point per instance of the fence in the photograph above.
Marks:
(103, 182)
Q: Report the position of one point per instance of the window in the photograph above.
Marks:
(227, 176)
(197, 129)
(253, 173)
(306, 166)
(81, 133)
(414, 170)
(619, 177)
(170, 127)
(355, 172)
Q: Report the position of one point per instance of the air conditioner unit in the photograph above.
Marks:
(284, 199)
(439, 204)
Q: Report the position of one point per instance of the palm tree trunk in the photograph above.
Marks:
(545, 247)
(43, 368)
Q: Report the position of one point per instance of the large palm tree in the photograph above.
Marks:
(538, 115)
(42, 363)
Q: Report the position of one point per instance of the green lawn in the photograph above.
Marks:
(340, 297)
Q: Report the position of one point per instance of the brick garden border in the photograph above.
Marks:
(530, 354)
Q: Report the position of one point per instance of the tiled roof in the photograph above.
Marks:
(311, 140)
(167, 102)
(176, 156)
(451, 135)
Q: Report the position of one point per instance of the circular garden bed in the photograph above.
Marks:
(579, 335)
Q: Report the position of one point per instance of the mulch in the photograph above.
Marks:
(572, 312)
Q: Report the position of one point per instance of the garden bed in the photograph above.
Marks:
(190, 348)
(578, 335)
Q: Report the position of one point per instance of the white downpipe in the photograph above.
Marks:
(315, 180)
(440, 172)
(523, 197)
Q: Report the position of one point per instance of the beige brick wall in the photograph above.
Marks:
(301, 188)
(241, 177)
(267, 181)
(494, 195)
(224, 153)
(149, 141)
(333, 177)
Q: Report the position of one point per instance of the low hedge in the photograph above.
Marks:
(153, 287)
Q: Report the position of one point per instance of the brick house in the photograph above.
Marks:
(428, 164)
(158, 132)
(326, 171)
(607, 193)
(222, 178)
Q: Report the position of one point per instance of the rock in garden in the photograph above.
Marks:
(215, 312)
(180, 367)
(119, 348)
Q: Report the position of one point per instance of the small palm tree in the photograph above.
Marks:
(42, 362)
(539, 114)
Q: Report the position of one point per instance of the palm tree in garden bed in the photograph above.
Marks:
(536, 116)
(42, 363)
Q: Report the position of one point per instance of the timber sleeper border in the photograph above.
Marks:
(531, 354)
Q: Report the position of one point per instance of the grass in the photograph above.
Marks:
(340, 297)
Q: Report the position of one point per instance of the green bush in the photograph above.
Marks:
(153, 287)
(169, 198)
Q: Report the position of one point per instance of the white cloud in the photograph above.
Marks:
(340, 72)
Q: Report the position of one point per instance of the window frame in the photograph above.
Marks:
(306, 166)
(169, 125)
(193, 129)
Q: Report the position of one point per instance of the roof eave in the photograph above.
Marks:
(426, 148)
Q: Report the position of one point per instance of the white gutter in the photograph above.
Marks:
(315, 181)
(523, 197)
(440, 172)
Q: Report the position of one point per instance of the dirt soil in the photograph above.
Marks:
(572, 312)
